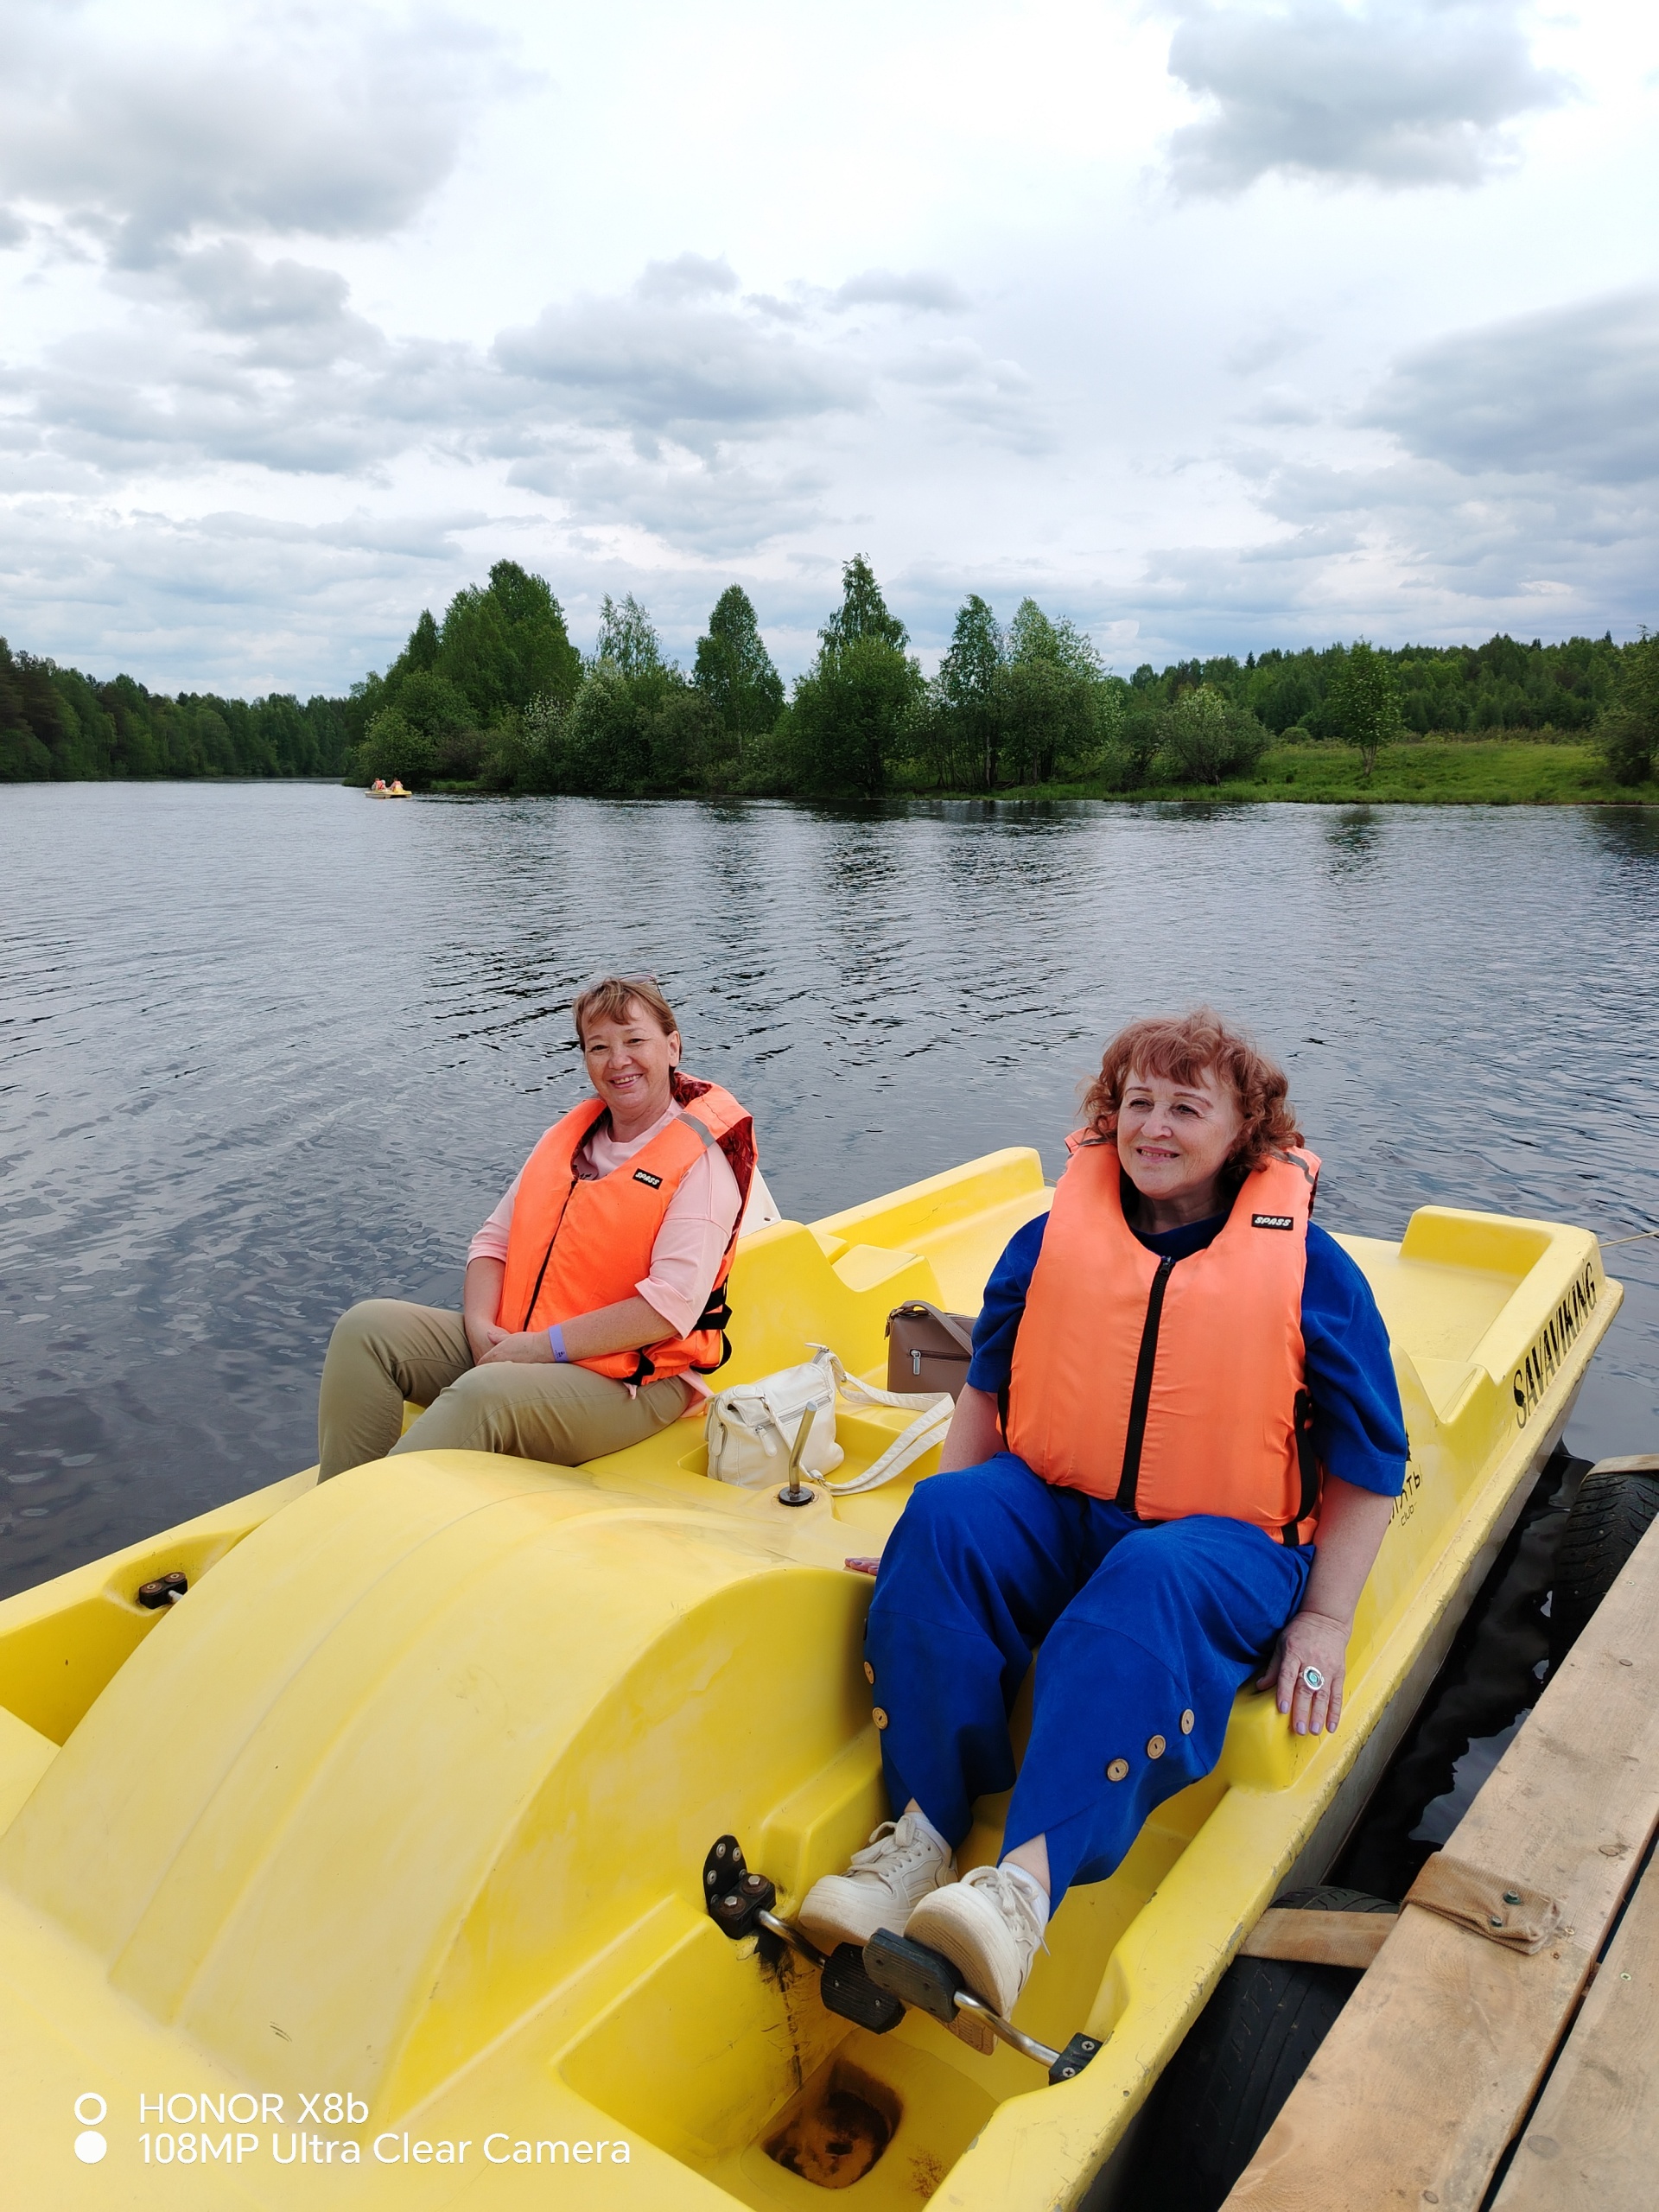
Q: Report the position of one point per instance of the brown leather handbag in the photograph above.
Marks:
(928, 1349)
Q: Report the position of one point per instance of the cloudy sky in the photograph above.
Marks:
(1212, 323)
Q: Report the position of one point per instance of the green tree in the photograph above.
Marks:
(525, 752)
(424, 645)
(965, 690)
(392, 747)
(502, 646)
(854, 713)
(1052, 697)
(850, 717)
(1361, 704)
(686, 742)
(1207, 737)
(734, 672)
(608, 740)
(863, 613)
(628, 638)
(1630, 727)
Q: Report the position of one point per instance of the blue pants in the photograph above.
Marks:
(1149, 1630)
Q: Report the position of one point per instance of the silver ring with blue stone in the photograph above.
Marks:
(1313, 1678)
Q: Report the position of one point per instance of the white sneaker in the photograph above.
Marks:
(901, 1863)
(987, 1926)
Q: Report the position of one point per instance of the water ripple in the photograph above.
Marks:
(268, 1049)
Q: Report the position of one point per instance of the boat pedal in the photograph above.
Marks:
(846, 1988)
(735, 1897)
(1072, 2060)
(912, 1973)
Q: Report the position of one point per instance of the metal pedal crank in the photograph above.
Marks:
(871, 1987)
(927, 1980)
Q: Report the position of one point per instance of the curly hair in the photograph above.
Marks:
(1184, 1047)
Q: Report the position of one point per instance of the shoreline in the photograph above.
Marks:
(1460, 772)
(1429, 771)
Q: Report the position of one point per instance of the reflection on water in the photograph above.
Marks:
(269, 1049)
(1353, 841)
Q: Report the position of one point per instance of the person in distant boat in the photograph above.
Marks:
(379, 784)
(593, 1303)
(1178, 1383)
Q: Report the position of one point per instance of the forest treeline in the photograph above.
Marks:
(58, 725)
(496, 697)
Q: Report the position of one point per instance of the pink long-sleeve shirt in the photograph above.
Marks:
(692, 1241)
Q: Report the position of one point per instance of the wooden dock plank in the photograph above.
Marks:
(1425, 2079)
(1593, 2144)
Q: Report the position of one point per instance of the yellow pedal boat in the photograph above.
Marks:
(383, 1848)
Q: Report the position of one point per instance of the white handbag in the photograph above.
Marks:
(752, 1426)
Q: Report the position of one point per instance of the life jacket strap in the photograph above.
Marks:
(1307, 1461)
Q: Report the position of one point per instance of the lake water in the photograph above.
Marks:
(269, 1049)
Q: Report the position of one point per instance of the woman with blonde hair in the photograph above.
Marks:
(1175, 1458)
(593, 1303)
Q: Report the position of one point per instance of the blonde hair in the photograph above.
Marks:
(609, 999)
(1183, 1048)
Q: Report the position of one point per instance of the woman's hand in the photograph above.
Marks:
(480, 1301)
(483, 1335)
(1316, 1640)
(626, 1327)
(1352, 1524)
(530, 1345)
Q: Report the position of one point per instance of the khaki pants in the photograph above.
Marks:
(384, 1352)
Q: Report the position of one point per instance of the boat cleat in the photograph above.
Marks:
(166, 1590)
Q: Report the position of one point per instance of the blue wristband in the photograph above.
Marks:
(555, 1338)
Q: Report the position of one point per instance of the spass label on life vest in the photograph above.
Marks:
(645, 1175)
(1273, 1221)
(1549, 1347)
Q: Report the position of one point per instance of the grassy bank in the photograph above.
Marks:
(1427, 771)
(1460, 772)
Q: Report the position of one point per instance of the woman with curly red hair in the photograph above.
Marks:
(1177, 1380)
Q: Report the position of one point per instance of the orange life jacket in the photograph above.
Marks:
(578, 1243)
(1173, 1389)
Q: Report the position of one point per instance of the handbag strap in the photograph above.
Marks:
(867, 1394)
(948, 1322)
(933, 1410)
(924, 1433)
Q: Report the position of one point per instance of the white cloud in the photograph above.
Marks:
(924, 291)
(341, 127)
(1394, 91)
(692, 373)
(650, 299)
(228, 601)
(712, 509)
(1573, 393)
(687, 276)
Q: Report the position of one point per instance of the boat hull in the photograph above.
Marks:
(405, 1804)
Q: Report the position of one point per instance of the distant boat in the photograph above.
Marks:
(393, 789)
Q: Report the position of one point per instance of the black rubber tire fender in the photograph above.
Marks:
(1610, 1516)
(1249, 2048)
